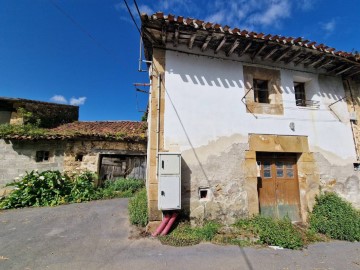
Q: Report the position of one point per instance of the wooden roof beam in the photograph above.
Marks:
(291, 58)
(222, 42)
(246, 47)
(336, 68)
(176, 37)
(258, 50)
(206, 42)
(317, 61)
(283, 53)
(324, 63)
(303, 59)
(233, 47)
(270, 53)
(344, 70)
(354, 73)
(191, 40)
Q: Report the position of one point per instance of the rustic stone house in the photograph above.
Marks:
(262, 122)
(110, 149)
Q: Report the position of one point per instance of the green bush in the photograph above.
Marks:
(38, 189)
(83, 188)
(335, 218)
(51, 188)
(138, 209)
(277, 232)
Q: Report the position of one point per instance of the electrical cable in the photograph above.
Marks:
(137, 8)
(69, 17)
(132, 17)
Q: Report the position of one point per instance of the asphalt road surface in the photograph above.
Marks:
(95, 235)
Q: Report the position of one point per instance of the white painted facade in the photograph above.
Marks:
(204, 102)
(203, 106)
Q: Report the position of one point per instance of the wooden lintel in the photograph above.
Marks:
(247, 46)
(233, 47)
(222, 42)
(291, 58)
(270, 53)
(324, 63)
(206, 43)
(283, 54)
(176, 37)
(303, 59)
(258, 50)
(317, 61)
(344, 70)
(191, 40)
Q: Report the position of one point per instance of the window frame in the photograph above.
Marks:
(42, 156)
(258, 86)
(300, 94)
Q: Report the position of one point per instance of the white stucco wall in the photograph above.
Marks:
(203, 103)
(206, 120)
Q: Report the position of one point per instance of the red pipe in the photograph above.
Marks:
(169, 224)
(161, 226)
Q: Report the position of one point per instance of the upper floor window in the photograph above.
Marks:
(261, 91)
(42, 156)
(300, 97)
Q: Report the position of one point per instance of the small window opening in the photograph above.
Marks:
(356, 166)
(203, 193)
(42, 156)
(261, 91)
(79, 157)
(300, 97)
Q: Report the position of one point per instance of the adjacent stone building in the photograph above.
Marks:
(109, 149)
(263, 122)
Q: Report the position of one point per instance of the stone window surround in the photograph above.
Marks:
(309, 180)
(275, 105)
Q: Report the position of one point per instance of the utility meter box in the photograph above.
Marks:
(169, 175)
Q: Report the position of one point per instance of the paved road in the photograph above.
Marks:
(95, 235)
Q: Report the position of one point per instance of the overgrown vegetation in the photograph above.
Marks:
(27, 129)
(335, 218)
(50, 188)
(276, 232)
(185, 235)
(138, 209)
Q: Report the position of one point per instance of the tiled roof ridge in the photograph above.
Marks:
(208, 26)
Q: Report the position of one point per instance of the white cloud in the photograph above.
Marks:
(306, 4)
(77, 101)
(274, 12)
(329, 27)
(59, 99)
(217, 17)
(146, 9)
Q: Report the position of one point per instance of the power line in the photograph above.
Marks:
(132, 17)
(82, 29)
(137, 8)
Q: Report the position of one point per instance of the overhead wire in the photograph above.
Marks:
(137, 8)
(132, 17)
(82, 29)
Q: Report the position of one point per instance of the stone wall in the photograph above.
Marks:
(91, 151)
(18, 157)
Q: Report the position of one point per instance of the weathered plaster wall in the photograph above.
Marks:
(19, 157)
(204, 109)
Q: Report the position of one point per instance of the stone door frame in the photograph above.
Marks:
(309, 179)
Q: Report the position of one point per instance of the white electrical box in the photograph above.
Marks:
(169, 175)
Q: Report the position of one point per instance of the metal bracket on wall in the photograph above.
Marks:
(242, 100)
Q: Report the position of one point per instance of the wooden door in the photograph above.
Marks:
(278, 186)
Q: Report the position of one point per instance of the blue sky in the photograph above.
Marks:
(92, 61)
